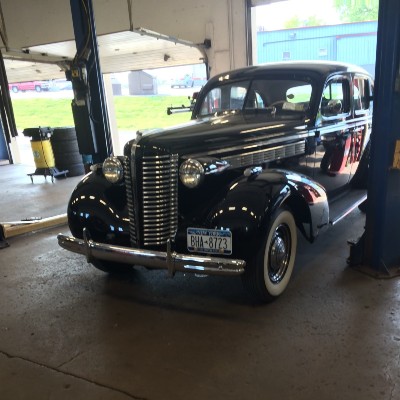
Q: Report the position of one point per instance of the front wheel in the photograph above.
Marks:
(269, 272)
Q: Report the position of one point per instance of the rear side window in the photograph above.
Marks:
(335, 100)
(361, 95)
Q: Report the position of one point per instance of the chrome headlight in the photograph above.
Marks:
(113, 169)
(191, 173)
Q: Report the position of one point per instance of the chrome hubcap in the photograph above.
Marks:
(279, 253)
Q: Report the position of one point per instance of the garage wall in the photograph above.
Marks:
(30, 23)
(36, 21)
(221, 21)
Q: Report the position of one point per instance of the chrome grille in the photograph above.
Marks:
(160, 198)
(266, 155)
(130, 201)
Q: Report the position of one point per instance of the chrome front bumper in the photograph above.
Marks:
(168, 260)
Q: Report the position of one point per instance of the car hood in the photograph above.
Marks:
(218, 133)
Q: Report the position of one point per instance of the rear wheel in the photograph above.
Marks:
(269, 272)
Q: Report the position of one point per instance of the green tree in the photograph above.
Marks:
(357, 10)
(296, 22)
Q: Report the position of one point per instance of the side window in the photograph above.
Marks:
(237, 95)
(298, 97)
(212, 102)
(361, 95)
(371, 95)
(282, 94)
(258, 101)
(224, 98)
(335, 100)
(254, 101)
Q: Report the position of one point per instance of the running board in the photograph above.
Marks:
(346, 204)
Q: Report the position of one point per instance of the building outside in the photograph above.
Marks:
(352, 42)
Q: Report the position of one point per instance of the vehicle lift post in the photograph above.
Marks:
(378, 250)
(89, 105)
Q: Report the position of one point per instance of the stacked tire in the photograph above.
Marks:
(66, 151)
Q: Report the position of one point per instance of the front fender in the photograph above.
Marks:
(250, 202)
(101, 207)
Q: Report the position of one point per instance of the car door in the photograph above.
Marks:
(362, 88)
(333, 132)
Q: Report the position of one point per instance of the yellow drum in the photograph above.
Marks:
(43, 153)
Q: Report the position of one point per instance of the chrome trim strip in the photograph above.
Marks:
(279, 138)
(159, 157)
(154, 174)
(266, 155)
(151, 209)
(342, 126)
(158, 231)
(161, 201)
(156, 187)
(168, 260)
(158, 164)
(156, 225)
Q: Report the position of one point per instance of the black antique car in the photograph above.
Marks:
(270, 150)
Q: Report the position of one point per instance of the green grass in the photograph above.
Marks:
(142, 112)
(132, 112)
(31, 113)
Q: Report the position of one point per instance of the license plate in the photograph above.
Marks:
(212, 241)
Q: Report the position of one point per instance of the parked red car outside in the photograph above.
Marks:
(23, 86)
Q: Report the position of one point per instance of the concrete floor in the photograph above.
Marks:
(69, 331)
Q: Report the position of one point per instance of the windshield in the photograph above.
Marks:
(271, 96)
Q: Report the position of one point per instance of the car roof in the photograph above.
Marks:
(320, 68)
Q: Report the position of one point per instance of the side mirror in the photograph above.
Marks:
(183, 108)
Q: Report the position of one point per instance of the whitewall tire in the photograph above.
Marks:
(268, 275)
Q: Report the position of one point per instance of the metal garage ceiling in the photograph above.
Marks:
(123, 51)
(128, 49)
